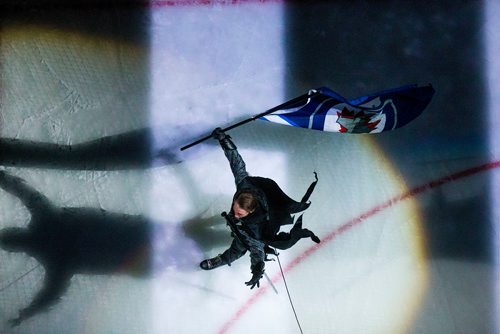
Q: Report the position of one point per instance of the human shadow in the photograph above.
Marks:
(208, 232)
(79, 240)
(138, 149)
(123, 151)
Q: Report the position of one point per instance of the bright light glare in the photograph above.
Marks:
(232, 65)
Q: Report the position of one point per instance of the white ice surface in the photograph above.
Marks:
(206, 66)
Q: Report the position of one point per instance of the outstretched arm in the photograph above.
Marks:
(236, 162)
(255, 246)
(257, 256)
(31, 198)
(56, 283)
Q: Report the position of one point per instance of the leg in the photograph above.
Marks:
(56, 283)
(286, 240)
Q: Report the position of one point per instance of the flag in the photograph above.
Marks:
(325, 110)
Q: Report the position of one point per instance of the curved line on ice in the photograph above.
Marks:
(355, 222)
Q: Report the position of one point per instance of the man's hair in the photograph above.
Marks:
(247, 201)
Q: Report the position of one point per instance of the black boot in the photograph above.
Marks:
(313, 236)
(212, 263)
(298, 232)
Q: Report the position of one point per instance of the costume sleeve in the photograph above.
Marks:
(234, 252)
(231, 152)
(237, 164)
(257, 254)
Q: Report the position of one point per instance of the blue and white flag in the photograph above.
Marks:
(323, 109)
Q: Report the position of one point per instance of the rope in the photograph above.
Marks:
(19, 278)
(289, 297)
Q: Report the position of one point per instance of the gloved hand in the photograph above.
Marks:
(255, 280)
(218, 134)
(224, 140)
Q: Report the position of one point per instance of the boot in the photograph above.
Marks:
(313, 236)
(298, 232)
(212, 263)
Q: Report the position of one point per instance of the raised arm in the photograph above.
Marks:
(34, 200)
(236, 162)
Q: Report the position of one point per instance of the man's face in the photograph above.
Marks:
(239, 212)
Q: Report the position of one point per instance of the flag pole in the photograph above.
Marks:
(288, 104)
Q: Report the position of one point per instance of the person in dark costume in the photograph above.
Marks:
(258, 210)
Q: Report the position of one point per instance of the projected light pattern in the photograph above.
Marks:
(216, 91)
(350, 283)
(81, 75)
(66, 82)
(195, 87)
(56, 91)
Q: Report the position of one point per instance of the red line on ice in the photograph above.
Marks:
(354, 222)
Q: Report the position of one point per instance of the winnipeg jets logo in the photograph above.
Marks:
(369, 117)
(358, 122)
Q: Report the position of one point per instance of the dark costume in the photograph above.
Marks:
(258, 231)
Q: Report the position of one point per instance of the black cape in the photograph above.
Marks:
(280, 209)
